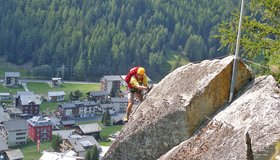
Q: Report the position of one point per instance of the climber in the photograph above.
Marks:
(137, 82)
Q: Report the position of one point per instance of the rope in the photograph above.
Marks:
(257, 64)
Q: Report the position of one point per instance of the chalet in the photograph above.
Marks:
(56, 96)
(64, 134)
(92, 129)
(98, 96)
(15, 132)
(11, 78)
(76, 110)
(111, 84)
(14, 154)
(80, 144)
(5, 96)
(28, 102)
(17, 97)
(39, 128)
(56, 82)
(68, 124)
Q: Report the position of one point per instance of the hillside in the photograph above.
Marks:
(93, 37)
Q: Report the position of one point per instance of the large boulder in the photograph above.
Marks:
(176, 107)
(255, 112)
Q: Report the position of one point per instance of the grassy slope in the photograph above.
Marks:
(10, 90)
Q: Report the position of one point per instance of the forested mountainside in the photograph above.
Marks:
(95, 37)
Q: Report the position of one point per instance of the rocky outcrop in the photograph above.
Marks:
(175, 108)
(256, 111)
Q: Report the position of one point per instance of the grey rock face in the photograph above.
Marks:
(175, 108)
(256, 111)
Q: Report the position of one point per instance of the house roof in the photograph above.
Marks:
(107, 105)
(26, 99)
(90, 128)
(58, 156)
(19, 93)
(68, 105)
(4, 116)
(14, 154)
(64, 134)
(58, 93)
(119, 100)
(56, 78)
(113, 78)
(69, 122)
(12, 74)
(88, 103)
(4, 94)
(14, 125)
(39, 121)
(81, 142)
(77, 104)
(3, 145)
(98, 93)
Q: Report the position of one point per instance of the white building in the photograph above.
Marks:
(56, 96)
(5, 96)
(15, 132)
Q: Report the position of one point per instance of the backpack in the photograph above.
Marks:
(132, 72)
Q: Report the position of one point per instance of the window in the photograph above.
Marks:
(22, 133)
(20, 138)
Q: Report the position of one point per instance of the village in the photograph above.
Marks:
(23, 120)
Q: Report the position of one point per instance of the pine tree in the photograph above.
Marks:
(56, 141)
(260, 34)
(106, 118)
(92, 154)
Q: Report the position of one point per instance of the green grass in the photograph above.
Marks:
(10, 90)
(49, 105)
(30, 151)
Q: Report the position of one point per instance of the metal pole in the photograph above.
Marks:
(234, 70)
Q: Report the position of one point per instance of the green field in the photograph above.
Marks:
(10, 90)
(30, 151)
